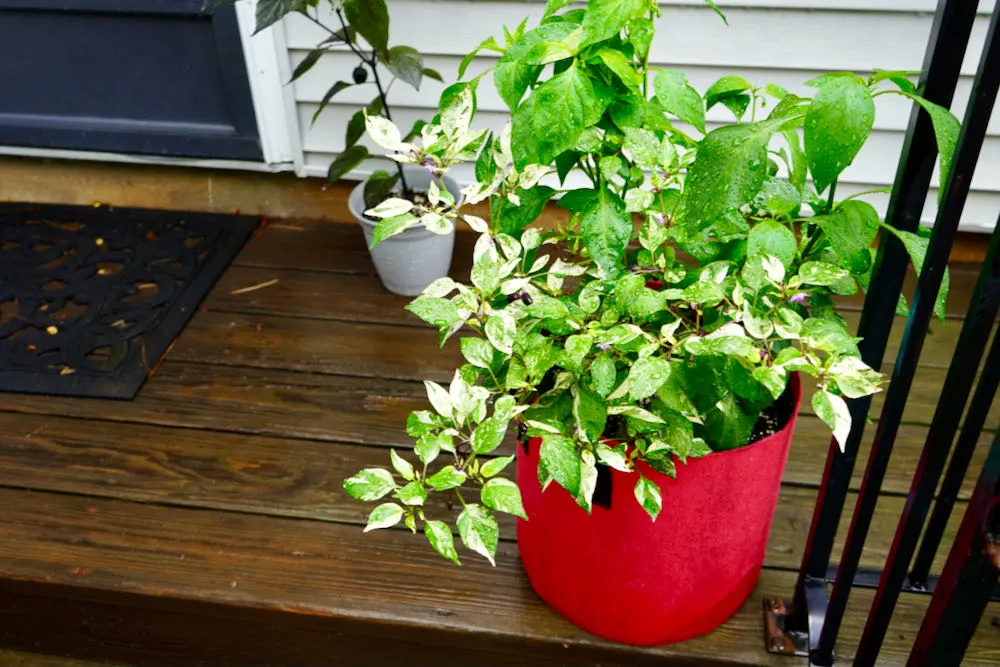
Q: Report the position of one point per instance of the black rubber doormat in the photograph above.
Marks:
(92, 297)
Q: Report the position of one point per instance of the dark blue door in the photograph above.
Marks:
(153, 77)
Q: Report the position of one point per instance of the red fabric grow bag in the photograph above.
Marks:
(620, 576)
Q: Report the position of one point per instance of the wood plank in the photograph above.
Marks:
(117, 549)
(15, 658)
(336, 409)
(286, 478)
(314, 246)
(320, 246)
(406, 353)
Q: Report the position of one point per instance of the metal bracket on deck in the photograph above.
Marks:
(778, 637)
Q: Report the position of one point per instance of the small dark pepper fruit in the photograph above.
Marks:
(360, 74)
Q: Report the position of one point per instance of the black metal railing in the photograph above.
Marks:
(810, 625)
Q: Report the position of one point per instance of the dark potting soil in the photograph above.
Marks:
(775, 417)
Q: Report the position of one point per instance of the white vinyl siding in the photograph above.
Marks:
(785, 42)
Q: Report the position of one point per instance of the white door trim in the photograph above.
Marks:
(268, 69)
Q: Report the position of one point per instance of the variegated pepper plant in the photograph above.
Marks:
(562, 330)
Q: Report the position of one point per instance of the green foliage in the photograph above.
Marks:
(837, 125)
(369, 20)
(655, 325)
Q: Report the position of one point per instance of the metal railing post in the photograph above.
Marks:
(956, 191)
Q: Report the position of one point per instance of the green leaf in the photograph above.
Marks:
(621, 66)
(772, 238)
(430, 445)
(446, 478)
(648, 495)
(503, 495)
(488, 43)
(560, 458)
(378, 187)
(832, 409)
(728, 171)
(390, 227)
(680, 99)
(614, 457)
(851, 229)
(553, 6)
(854, 377)
(500, 330)
(646, 376)
(401, 465)
(269, 13)
(488, 435)
(603, 374)
(606, 228)
(606, 18)
(385, 515)
(512, 75)
(439, 535)
(371, 19)
(946, 131)
(369, 484)
(821, 273)
(508, 218)
(590, 413)
(495, 466)
(436, 311)
(355, 130)
(641, 32)
(800, 164)
(346, 161)
(837, 125)
(829, 336)
(308, 63)
(727, 424)
(413, 493)
(715, 8)
(479, 531)
(916, 248)
(407, 64)
(477, 352)
(433, 74)
(555, 114)
(726, 87)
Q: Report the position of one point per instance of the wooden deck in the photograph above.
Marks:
(204, 522)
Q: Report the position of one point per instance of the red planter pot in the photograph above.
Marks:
(620, 576)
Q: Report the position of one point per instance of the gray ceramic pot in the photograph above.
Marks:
(410, 261)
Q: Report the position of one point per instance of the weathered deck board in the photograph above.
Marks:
(337, 409)
(204, 522)
(323, 570)
(293, 478)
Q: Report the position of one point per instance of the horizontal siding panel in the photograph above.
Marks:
(980, 211)
(785, 42)
(875, 164)
(893, 111)
(780, 39)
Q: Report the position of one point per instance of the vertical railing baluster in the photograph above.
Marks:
(941, 70)
(975, 420)
(969, 576)
(956, 190)
(954, 395)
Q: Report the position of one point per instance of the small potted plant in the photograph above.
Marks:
(418, 254)
(648, 352)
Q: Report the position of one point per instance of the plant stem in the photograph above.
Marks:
(373, 66)
(833, 192)
(873, 191)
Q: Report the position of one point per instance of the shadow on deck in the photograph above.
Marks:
(204, 522)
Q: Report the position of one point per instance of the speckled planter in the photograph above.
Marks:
(410, 261)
